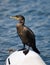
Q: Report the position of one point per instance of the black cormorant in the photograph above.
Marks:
(25, 34)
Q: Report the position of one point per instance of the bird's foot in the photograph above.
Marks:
(25, 51)
(22, 49)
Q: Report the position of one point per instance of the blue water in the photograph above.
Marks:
(37, 15)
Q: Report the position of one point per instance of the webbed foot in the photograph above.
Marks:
(22, 49)
(25, 51)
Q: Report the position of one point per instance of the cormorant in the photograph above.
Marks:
(25, 34)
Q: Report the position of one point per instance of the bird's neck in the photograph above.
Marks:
(20, 27)
(21, 22)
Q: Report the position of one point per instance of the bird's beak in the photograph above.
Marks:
(14, 17)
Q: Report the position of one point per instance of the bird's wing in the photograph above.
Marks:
(30, 35)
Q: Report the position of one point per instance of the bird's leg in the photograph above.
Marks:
(22, 48)
(26, 50)
(28, 47)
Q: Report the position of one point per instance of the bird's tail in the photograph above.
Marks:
(36, 50)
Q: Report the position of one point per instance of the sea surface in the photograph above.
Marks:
(37, 18)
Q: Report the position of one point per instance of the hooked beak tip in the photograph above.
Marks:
(11, 17)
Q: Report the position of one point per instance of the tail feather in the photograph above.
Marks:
(36, 50)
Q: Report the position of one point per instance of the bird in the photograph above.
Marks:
(26, 35)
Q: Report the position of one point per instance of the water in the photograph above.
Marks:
(37, 15)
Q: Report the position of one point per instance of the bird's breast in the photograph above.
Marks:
(23, 36)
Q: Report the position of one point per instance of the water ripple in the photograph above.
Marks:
(37, 15)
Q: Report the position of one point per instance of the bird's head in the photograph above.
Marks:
(20, 18)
